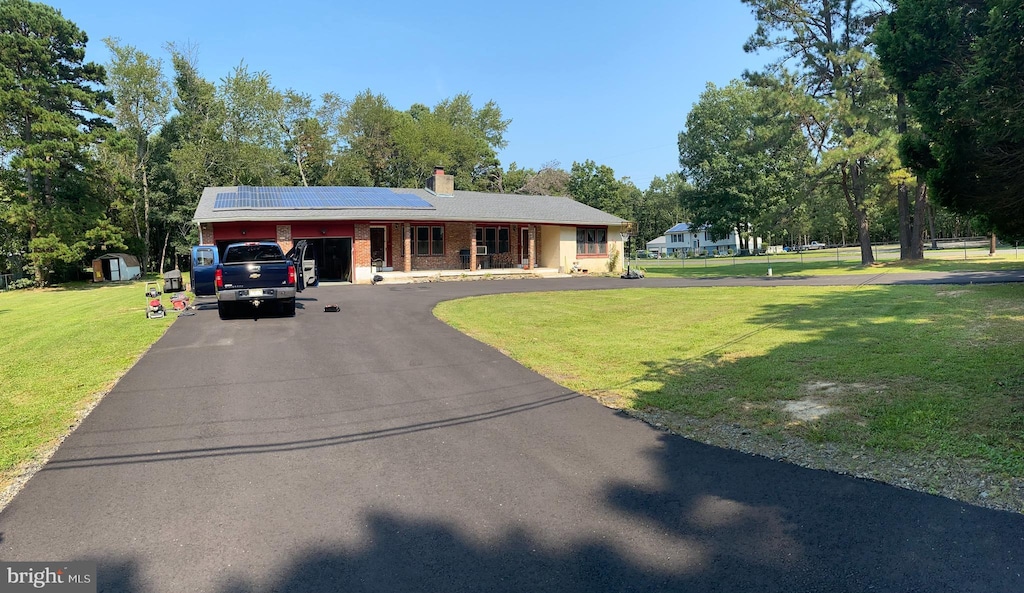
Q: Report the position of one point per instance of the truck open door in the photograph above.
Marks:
(305, 265)
(204, 263)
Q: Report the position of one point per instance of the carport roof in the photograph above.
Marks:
(464, 206)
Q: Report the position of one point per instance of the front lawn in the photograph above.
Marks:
(932, 369)
(62, 349)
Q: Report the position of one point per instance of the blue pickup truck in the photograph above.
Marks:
(251, 275)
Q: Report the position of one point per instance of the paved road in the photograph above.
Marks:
(377, 449)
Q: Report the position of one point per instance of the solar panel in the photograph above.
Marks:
(255, 198)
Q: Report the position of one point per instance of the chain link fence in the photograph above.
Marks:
(976, 248)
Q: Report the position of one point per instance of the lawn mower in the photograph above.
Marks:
(180, 303)
(154, 308)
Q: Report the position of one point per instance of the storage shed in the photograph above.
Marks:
(115, 267)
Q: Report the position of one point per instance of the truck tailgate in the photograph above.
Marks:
(249, 275)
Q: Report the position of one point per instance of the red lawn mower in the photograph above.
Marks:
(154, 307)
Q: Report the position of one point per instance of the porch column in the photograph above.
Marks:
(407, 247)
(472, 246)
(532, 253)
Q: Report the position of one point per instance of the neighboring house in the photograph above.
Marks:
(658, 245)
(357, 232)
(682, 238)
(115, 267)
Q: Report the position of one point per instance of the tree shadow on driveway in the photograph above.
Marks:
(721, 521)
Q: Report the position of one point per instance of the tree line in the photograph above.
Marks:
(108, 157)
(878, 120)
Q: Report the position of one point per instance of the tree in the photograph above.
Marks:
(310, 134)
(659, 207)
(463, 139)
(830, 40)
(745, 155)
(595, 185)
(142, 100)
(252, 132)
(550, 180)
(960, 64)
(189, 153)
(193, 136)
(514, 179)
(386, 147)
(52, 112)
(367, 130)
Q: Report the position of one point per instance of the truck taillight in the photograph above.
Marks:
(218, 279)
(291, 274)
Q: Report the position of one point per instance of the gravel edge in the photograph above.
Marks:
(964, 480)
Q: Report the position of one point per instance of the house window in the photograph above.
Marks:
(428, 240)
(496, 239)
(591, 241)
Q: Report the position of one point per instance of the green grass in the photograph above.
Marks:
(819, 263)
(914, 368)
(62, 347)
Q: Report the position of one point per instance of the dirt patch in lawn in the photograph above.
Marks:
(823, 398)
(808, 409)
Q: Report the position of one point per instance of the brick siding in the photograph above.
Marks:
(457, 236)
(361, 246)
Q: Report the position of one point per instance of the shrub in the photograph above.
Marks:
(613, 259)
(23, 283)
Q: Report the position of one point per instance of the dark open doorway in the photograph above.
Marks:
(333, 259)
(378, 246)
(524, 245)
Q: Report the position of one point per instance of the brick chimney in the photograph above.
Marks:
(440, 184)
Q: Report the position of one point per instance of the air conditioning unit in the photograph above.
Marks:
(481, 250)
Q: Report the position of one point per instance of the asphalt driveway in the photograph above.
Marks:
(377, 449)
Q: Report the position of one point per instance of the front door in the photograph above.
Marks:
(378, 246)
(524, 246)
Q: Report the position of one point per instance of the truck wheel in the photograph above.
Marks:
(223, 309)
(288, 307)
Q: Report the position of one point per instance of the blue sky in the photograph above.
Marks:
(611, 82)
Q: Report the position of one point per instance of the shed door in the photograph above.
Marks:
(97, 270)
(115, 270)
